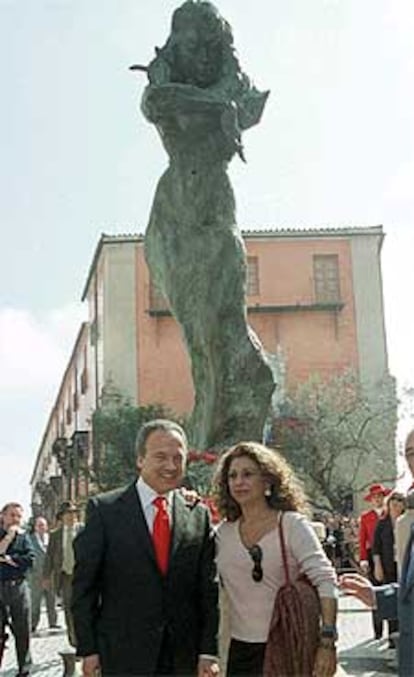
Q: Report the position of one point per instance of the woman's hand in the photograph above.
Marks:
(325, 661)
(379, 572)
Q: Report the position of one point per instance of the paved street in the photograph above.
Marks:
(45, 652)
(359, 654)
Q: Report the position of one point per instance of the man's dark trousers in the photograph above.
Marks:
(15, 603)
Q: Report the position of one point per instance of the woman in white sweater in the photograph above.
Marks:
(254, 485)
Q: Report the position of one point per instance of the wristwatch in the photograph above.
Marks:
(329, 632)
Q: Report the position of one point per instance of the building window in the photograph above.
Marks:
(68, 413)
(157, 300)
(252, 283)
(84, 381)
(326, 278)
(93, 332)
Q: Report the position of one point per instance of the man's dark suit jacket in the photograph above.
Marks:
(397, 601)
(52, 567)
(53, 563)
(122, 604)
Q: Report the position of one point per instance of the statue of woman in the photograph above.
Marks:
(200, 102)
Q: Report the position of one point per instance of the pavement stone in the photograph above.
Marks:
(45, 647)
(359, 654)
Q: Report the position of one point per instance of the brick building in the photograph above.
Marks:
(314, 297)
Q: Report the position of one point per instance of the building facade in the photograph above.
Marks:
(314, 297)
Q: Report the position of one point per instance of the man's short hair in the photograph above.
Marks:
(157, 424)
(11, 505)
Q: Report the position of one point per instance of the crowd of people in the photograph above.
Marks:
(387, 538)
(144, 581)
(36, 565)
(339, 535)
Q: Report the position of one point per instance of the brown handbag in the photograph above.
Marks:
(295, 625)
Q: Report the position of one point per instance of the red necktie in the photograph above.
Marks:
(161, 533)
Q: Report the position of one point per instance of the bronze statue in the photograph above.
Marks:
(200, 101)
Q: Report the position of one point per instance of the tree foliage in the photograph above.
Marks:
(339, 436)
(115, 430)
(200, 469)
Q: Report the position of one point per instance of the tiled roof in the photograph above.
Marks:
(255, 233)
(108, 239)
(343, 231)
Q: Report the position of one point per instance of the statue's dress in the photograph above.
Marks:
(196, 256)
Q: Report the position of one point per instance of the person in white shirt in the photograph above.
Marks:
(40, 541)
(254, 488)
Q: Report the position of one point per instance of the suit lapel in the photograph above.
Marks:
(59, 548)
(407, 574)
(179, 520)
(135, 520)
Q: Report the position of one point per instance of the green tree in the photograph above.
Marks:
(114, 430)
(339, 436)
(115, 426)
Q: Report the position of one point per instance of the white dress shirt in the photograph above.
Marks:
(43, 541)
(147, 495)
(68, 563)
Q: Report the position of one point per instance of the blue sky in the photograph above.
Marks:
(335, 148)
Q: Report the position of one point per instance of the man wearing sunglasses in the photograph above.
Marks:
(394, 600)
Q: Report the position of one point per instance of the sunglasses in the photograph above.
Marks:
(256, 553)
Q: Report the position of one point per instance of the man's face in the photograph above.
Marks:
(41, 526)
(69, 519)
(163, 465)
(409, 452)
(13, 516)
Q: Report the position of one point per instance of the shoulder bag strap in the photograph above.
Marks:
(283, 549)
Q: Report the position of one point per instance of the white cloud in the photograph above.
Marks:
(34, 351)
(34, 348)
(14, 483)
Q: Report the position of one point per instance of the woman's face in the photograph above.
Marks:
(245, 481)
(396, 507)
(198, 57)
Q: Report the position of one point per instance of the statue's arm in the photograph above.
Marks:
(171, 100)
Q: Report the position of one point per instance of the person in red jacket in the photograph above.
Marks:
(367, 524)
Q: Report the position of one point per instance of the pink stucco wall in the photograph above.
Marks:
(310, 340)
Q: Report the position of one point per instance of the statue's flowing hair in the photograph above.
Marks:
(232, 84)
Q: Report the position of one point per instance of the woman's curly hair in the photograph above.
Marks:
(286, 490)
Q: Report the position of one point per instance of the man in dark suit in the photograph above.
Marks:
(40, 540)
(60, 560)
(145, 597)
(16, 558)
(394, 600)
